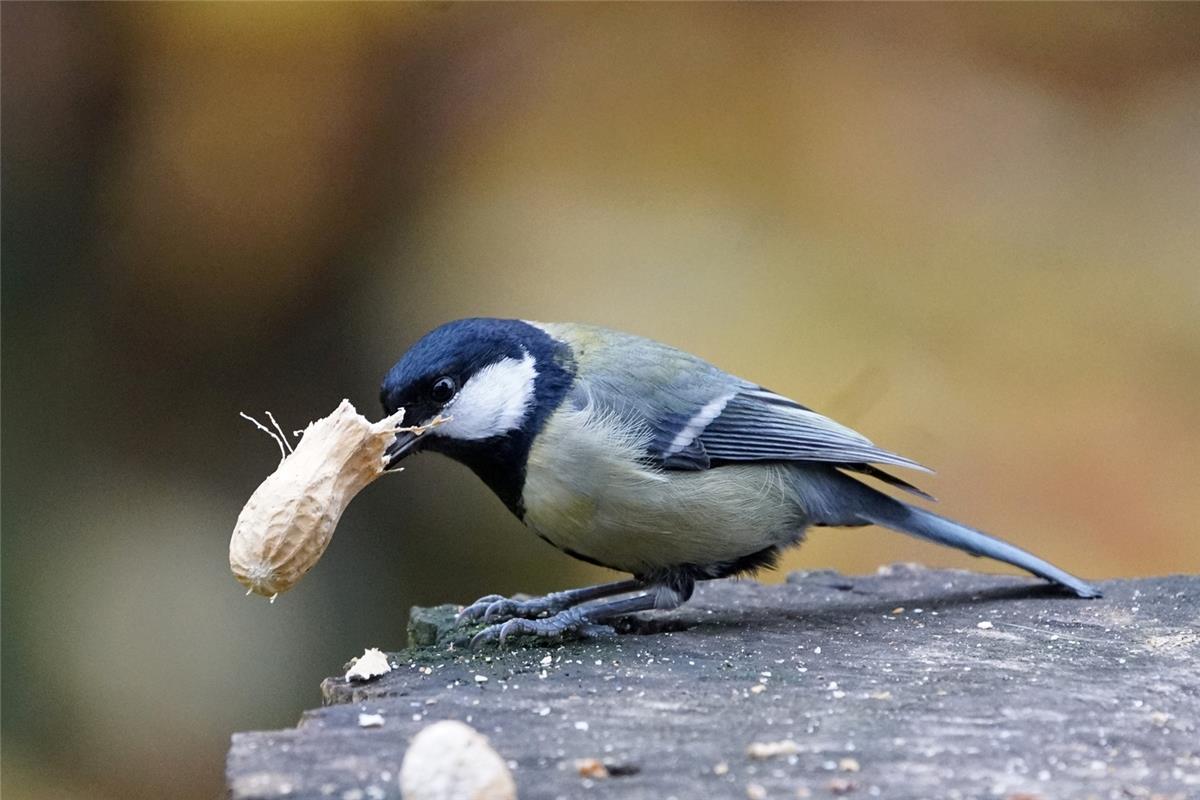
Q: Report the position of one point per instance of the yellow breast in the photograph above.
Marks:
(589, 490)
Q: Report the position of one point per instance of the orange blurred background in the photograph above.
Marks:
(972, 232)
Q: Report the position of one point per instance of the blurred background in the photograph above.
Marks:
(972, 232)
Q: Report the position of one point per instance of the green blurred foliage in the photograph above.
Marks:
(969, 231)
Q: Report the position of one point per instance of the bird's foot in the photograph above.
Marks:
(571, 622)
(497, 608)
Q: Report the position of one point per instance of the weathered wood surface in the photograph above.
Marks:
(907, 684)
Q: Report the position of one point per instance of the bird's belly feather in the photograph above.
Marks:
(602, 502)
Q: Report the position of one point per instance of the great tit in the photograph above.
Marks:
(639, 457)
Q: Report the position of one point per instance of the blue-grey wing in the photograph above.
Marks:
(757, 424)
(693, 415)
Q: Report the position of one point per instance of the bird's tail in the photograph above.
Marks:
(867, 505)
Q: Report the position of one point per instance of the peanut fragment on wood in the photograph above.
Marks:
(450, 760)
(287, 523)
(371, 664)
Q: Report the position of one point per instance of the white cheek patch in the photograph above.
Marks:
(494, 401)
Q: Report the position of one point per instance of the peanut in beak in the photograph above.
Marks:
(289, 520)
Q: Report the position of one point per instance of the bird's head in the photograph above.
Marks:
(493, 381)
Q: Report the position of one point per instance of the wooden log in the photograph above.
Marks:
(911, 683)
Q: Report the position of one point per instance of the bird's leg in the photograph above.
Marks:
(495, 608)
(584, 621)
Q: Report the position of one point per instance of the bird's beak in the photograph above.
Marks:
(404, 444)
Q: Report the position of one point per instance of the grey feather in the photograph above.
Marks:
(836, 499)
(888, 478)
(757, 424)
(696, 416)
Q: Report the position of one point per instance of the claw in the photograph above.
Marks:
(509, 628)
(496, 608)
(569, 622)
(477, 609)
(502, 609)
(498, 632)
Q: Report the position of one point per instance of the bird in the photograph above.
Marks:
(636, 456)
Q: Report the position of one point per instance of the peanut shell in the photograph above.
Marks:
(288, 521)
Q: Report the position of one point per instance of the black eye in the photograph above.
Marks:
(443, 389)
